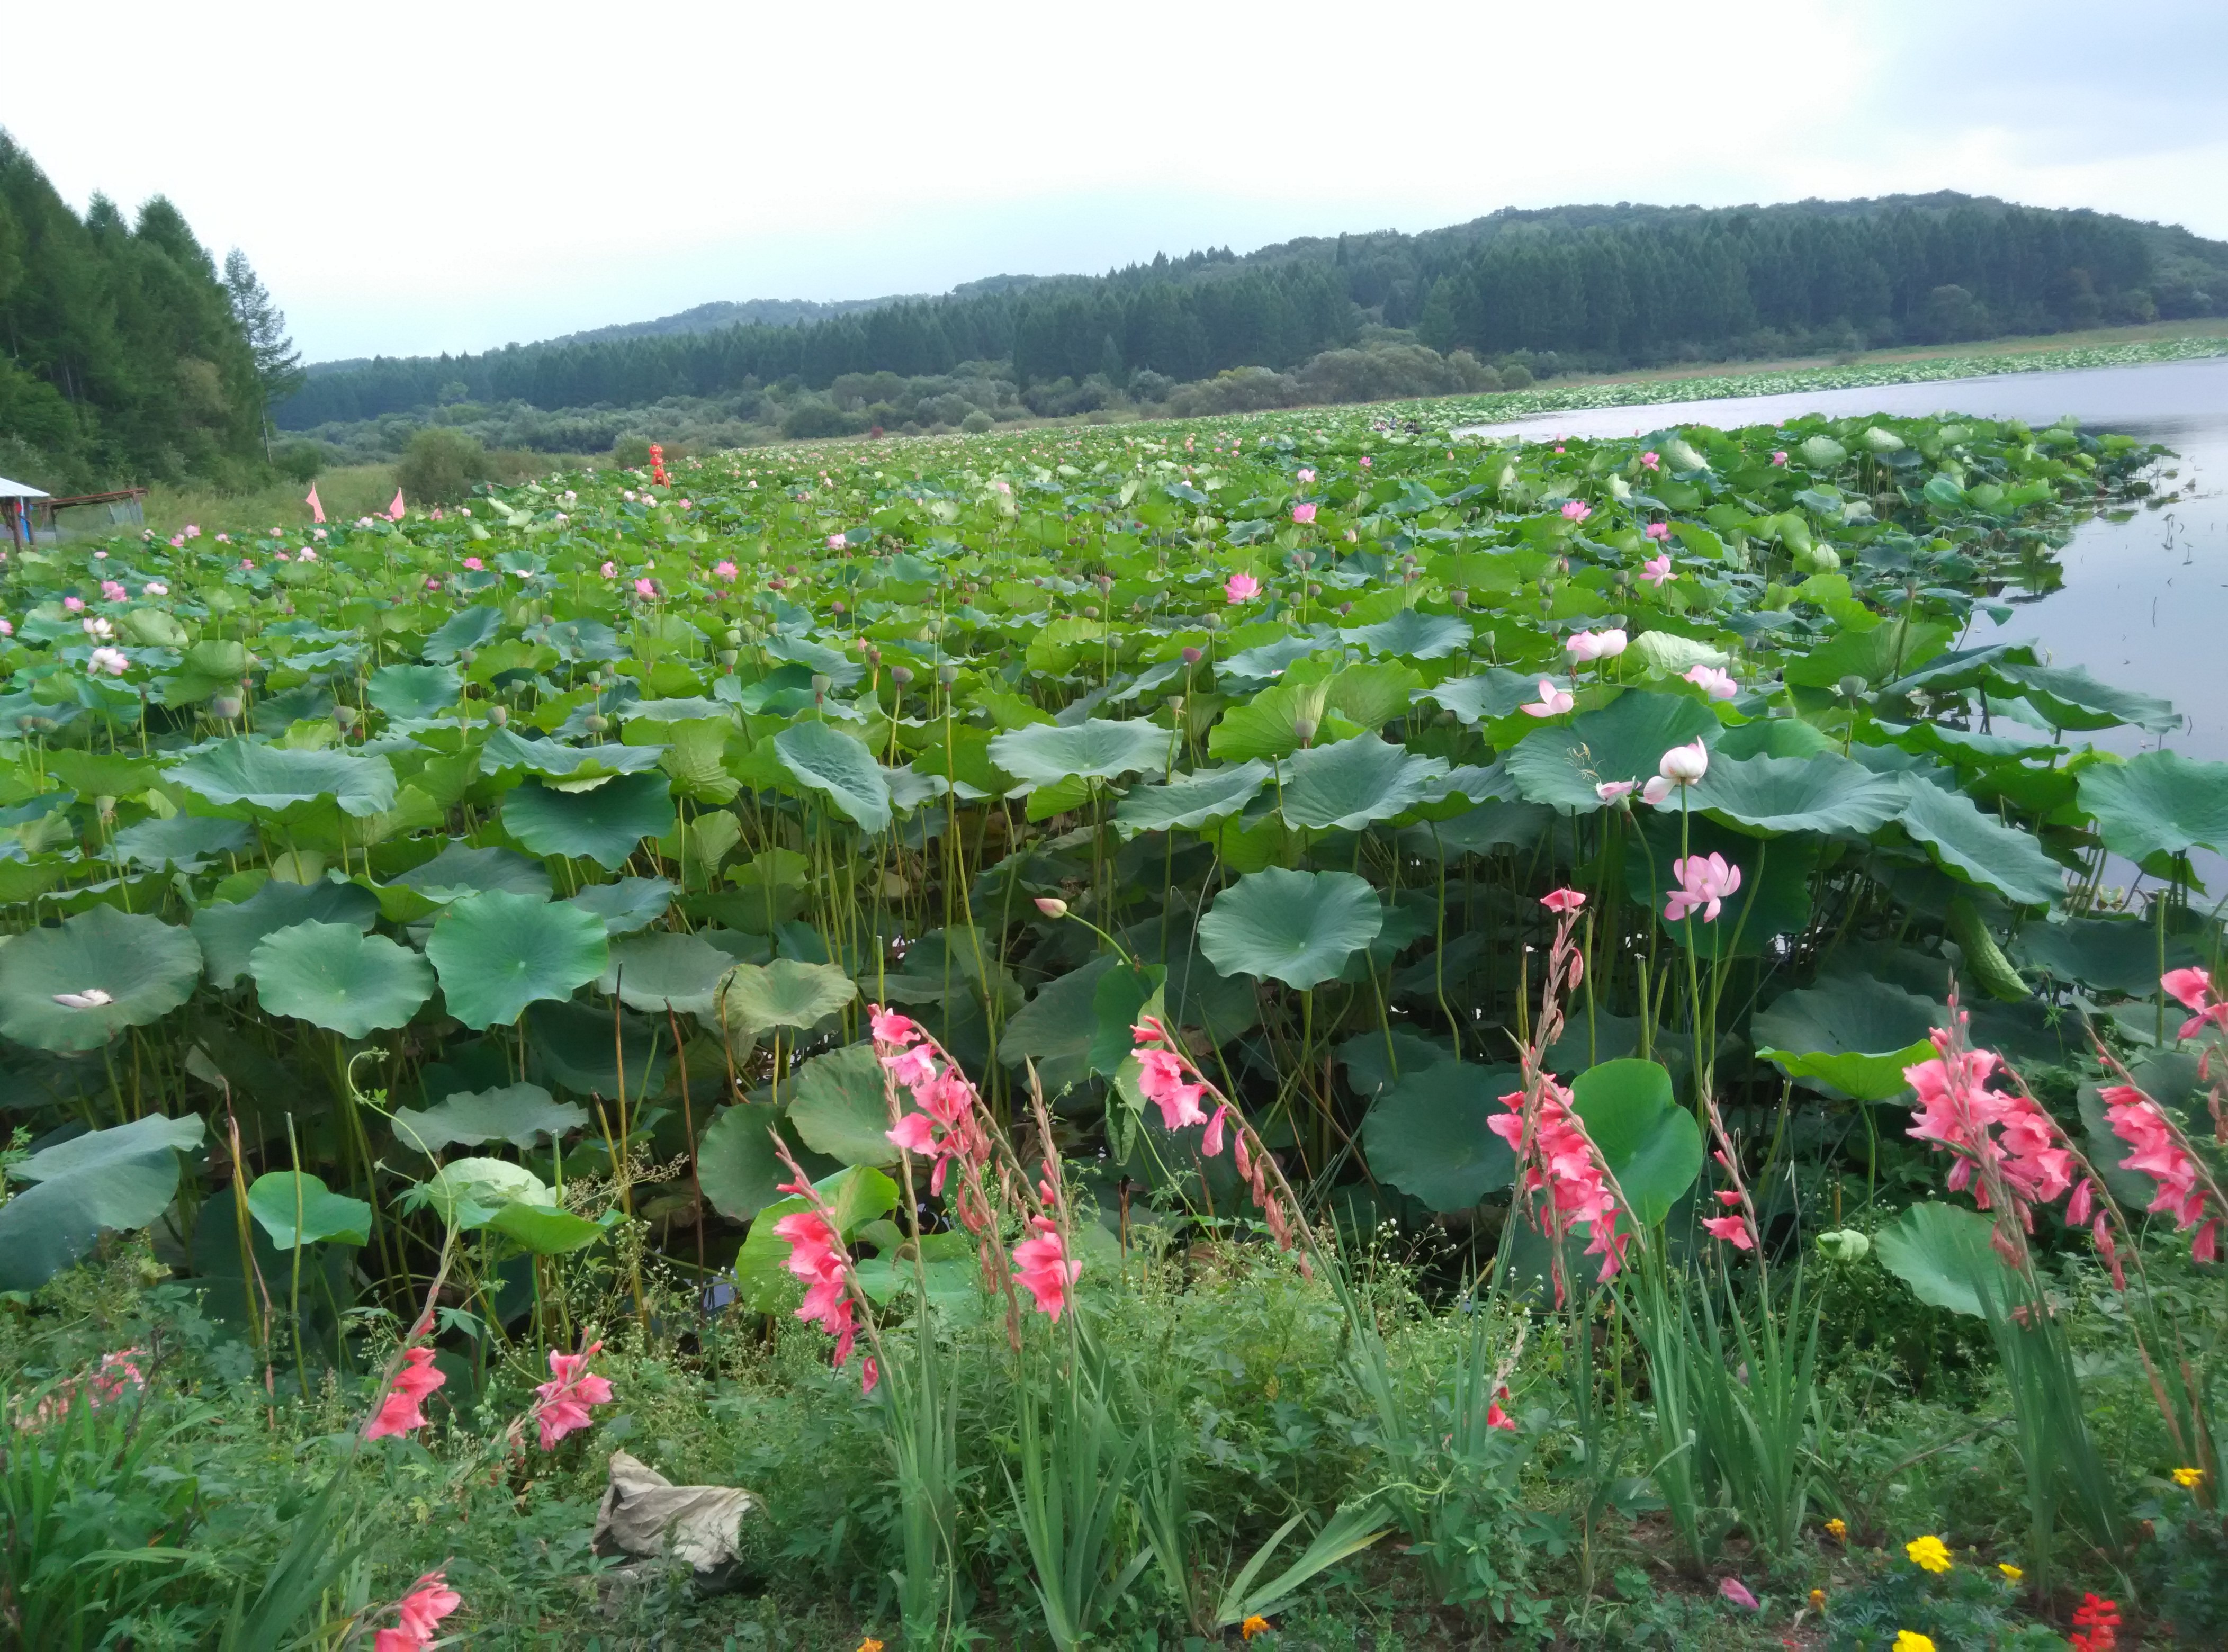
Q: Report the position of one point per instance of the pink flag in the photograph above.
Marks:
(316, 510)
(394, 510)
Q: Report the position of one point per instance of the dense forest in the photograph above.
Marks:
(126, 358)
(1574, 287)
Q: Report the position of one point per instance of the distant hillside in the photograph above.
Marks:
(1597, 287)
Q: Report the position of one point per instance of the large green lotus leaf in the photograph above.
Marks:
(605, 825)
(1056, 1028)
(1046, 753)
(1773, 898)
(1419, 636)
(540, 1230)
(1853, 1032)
(2109, 954)
(1346, 785)
(1269, 724)
(1772, 737)
(626, 903)
(187, 843)
(459, 870)
(758, 997)
(288, 1203)
(1190, 800)
(2068, 697)
(497, 953)
(100, 774)
(1624, 741)
(1498, 692)
(2158, 803)
(1271, 659)
(1427, 1134)
(1980, 848)
(76, 986)
(736, 1164)
(857, 1195)
(108, 1179)
(506, 753)
(244, 773)
(336, 977)
(467, 1193)
(1944, 1252)
(579, 1045)
(1372, 694)
(832, 762)
(414, 691)
(1296, 927)
(1774, 794)
(469, 628)
(521, 1114)
(665, 969)
(230, 931)
(839, 1108)
(1651, 1144)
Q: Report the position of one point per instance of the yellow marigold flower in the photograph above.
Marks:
(1840, 1528)
(870, 1644)
(1929, 1552)
(1817, 1600)
(2189, 1479)
(1909, 1640)
(2011, 1572)
(1253, 1626)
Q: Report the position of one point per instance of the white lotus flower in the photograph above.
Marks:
(90, 998)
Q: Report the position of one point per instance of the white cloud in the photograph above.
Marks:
(413, 176)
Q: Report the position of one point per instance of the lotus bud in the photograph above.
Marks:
(1852, 686)
(1091, 613)
(1344, 608)
(1459, 597)
(1193, 656)
(1051, 906)
(465, 657)
(900, 674)
(729, 656)
(1305, 728)
(597, 723)
(498, 715)
(1546, 585)
(821, 684)
(835, 607)
(947, 675)
(227, 707)
(1685, 764)
(345, 716)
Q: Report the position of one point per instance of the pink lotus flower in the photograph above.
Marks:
(644, 588)
(726, 570)
(1303, 515)
(474, 564)
(1734, 1230)
(1779, 456)
(1577, 510)
(111, 591)
(1711, 681)
(2192, 989)
(73, 605)
(1734, 1589)
(306, 553)
(1241, 587)
(1562, 900)
(1649, 462)
(1042, 1268)
(1657, 570)
(1595, 645)
(1684, 764)
(1614, 791)
(1658, 531)
(562, 1408)
(7, 628)
(1553, 701)
(193, 532)
(1305, 477)
(1705, 883)
(418, 1613)
(837, 541)
(1367, 461)
(610, 571)
(111, 660)
(399, 1412)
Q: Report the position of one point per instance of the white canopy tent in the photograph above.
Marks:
(15, 502)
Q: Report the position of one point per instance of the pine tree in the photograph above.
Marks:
(278, 363)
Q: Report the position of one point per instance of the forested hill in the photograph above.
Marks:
(122, 356)
(1596, 287)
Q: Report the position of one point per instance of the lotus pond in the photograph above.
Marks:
(1349, 1033)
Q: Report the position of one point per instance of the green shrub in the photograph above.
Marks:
(440, 467)
(977, 422)
(303, 461)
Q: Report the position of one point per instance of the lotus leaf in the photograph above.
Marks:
(1427, 1134)
(1046, 753)
(758, 998)
(605, 825)
(76, 986)
(497, 953)
(245, 773)
(832, 763)
(1651, 1144)
(336, 977)
(105, 1180)
(296, 1208)
(1296, 927)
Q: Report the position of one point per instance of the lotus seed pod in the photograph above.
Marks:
(900, 674)
(1547, 606)
(728, 657)
(345, 715)
(227, 707)
(498, 715)
(821, 684)
(1459, 597)
(465, 657)
(1852, 686)
(947, 675)
(1305, 728)
(105, 807)
(597, 723)
(1091, 613)
(734, 638)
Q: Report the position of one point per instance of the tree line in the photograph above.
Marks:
(1600, 288)
(125, 355)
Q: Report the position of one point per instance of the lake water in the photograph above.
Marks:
(2144, 604)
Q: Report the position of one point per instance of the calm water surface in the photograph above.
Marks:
(2144, 603)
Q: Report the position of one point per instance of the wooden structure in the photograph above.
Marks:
(30, 515)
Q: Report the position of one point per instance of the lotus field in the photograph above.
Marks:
(1333, 1032)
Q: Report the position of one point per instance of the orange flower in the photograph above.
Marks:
(1840, 1528)
(1817, 1600)
(870, 1644)
(1253, 1626)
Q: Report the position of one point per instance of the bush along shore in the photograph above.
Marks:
(1293, 1030)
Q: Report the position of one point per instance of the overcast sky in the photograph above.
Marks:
(412, 177)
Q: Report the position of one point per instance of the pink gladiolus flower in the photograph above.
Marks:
(1563, 1161)
(72, 605)
(1734, 1230)
(1241, 587)
(726, 570)
(816, 1258)
(644, 588)
(1713, 682)
(1553, 701)
(1577, 510)
(418, 1613)
(1735, 1590)
(1303, 515)
(1613, 791)
(1658, 530)
(399, 1410)
(1496, 1417)
(1595, 645)
(887, 1027)
(2192, 989)
(1162, 1081)
(1779, 456)
(563, 1408)
(1706, 883)
(2159, 1153)
(1684, 764)
(1957, 1111)
(1210, 1144)
(1657, 570)
(1562, 900)
(1042, 1268)
(1649, 462)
